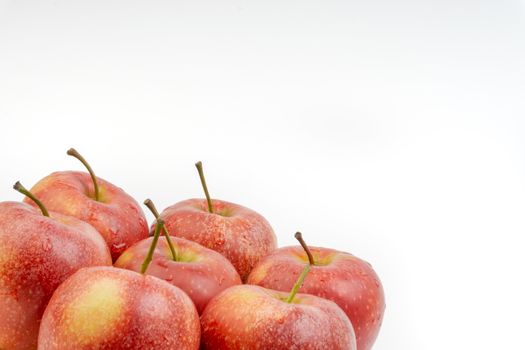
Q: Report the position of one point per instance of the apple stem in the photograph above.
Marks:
(149, 203)
(149, 257)
(298, 284)
(299, 237)
(203, 182)
(73, 152)
(18, 186)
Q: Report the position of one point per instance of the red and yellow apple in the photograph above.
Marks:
(109, 209)
(338, 276)
(255, 318)
(200, 272)
(37, 253)
(238, 233)
(107, 308)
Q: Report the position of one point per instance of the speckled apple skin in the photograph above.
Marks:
(206, 274)
(117, 216)
(255, 318)
(110, 309)
(37, 253)
(347, 280)
(238, 233)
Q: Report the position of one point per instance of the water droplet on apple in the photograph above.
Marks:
(219, 241)
(162, 263)
(112, 233)
(46, 245)
(118, 247)
(133, 208)
(363, 273)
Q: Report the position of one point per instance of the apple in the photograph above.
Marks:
(200, 272)
(251, 317)
(338, 276)
(111, 308)
(39, 249)
(238, 233)
(115, 214)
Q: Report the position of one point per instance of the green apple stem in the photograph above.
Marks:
(149, 203)
(149, 257)
(18, 186)
(203, 182)
(299, 237)
(73, 152)
(299, 283)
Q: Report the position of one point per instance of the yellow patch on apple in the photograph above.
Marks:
(95, 312)
(125, 258)
(259, 273)
(188, 256)
(42, 184)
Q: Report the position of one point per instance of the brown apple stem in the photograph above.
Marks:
(203, 182)
(149, 257)
(73, 152)
(299, 237)
(149, 203)
(299, 283)
(18, 186)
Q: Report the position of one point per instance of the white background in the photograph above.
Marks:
(390, 129)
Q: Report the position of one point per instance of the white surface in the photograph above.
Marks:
(390, 129)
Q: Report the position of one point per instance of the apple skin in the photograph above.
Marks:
(255, 318)
(111, 308)
(200, 272)
(117, 216)
(37, 253)
(341, 277)
(238, 233)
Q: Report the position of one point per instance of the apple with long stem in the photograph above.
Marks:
(112, 308)
(338, 276)
(200, 272)
(115, 214)
(238, 233)
(39, 249)
(254, 318)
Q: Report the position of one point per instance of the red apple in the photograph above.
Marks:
(37, 253)
(111, 309)
(109, 209)
(255, 318)
(338, 276)
(200, 272)
(238, 233)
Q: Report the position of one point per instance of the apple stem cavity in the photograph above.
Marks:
(73, 152)
(299, 237)
(298, 284)
(149, 257)
(149, 203)
(18, 186)
(203, 182)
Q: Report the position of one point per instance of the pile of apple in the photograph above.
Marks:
(79, 269)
